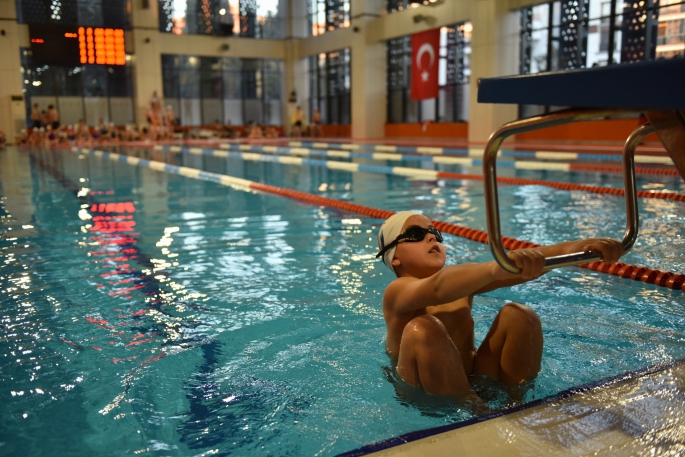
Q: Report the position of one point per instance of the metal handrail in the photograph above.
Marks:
(561, 117)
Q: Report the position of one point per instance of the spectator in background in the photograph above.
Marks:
(218, 128)
(155, 109)
(3, 139)
(83, 132)
(53, 117)
(171, 117)
(229, 131)
(22, 138)
(272, 132)
(45, 118)
(297, 122)
(316, 130)
(50, 136)
(256, 132)
(36, 117)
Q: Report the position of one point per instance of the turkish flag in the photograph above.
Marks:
(425, 55)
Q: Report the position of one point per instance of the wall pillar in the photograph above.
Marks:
(368, 72)
(10, 73)
(147, 58)
(494, 52)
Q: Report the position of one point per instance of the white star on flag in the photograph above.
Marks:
(424, 76)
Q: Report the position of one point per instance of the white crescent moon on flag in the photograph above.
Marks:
(425, 47)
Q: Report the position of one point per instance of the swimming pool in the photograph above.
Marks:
(149, 313)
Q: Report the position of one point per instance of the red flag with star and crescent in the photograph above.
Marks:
(425, 56)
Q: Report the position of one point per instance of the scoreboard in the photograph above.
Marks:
(77, 45)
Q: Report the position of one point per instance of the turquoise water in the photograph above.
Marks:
(190, 318)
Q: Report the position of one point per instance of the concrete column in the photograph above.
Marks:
(147, 58)
(494, 52)
(295, 76)
(368, 72)
(11, 88)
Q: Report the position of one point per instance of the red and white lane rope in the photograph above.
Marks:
(651, 276)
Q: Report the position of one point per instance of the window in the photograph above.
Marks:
(96, 13)
(246, 18)
(568, 34)
(454, 71)
(327, 15)
(203, 90)
(399, 5)
(329, 86)
(79, 92)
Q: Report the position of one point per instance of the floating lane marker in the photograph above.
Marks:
(422, 174)
(647, 275)
(474, 161)
(476, 152)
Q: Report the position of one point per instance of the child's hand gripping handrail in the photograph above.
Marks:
(562, 117)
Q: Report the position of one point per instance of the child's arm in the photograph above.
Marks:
(609, 250)
(408, 294)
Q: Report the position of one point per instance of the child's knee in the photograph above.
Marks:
(423, 329)
(521, 315)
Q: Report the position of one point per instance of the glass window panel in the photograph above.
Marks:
(395, 103)
(69, 81)
(597, 43)
(272, 79)
(540, 18)
(95, 81)
(428, 109)
(119, 81)
(171, 76)
(190, 83)
(211, 77)
(247, 18)
(40, 80)
(670, 36)
(334, 110)
(232, 84)
(252, 78)
(538, 50)
(345, 117)
(328, 15)
(412, 108)
(108, 13)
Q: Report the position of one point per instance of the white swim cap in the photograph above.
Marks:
(390, 230)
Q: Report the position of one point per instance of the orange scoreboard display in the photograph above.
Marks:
(77, 45)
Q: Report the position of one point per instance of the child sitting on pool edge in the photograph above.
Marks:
(427, 309)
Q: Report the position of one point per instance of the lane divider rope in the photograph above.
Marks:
(476, 152)
(638, 170)
(389, 155)
(651, 276)
(417, 173)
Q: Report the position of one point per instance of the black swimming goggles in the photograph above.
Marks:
(412, 235)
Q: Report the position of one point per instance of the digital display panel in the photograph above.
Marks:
(77, 45)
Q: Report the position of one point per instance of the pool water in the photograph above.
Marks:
(149, 313)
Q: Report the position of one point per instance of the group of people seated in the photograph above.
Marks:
(162, 124)
(228, 130)
(300, 128)
(82, 134)
(107, 133)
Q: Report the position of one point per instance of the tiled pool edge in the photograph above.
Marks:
(421, 434)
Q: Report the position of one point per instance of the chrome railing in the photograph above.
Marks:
(549, 120)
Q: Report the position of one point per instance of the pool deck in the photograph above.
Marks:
(643, 415)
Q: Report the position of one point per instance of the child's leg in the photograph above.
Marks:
(512, 350)
(429, 359)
